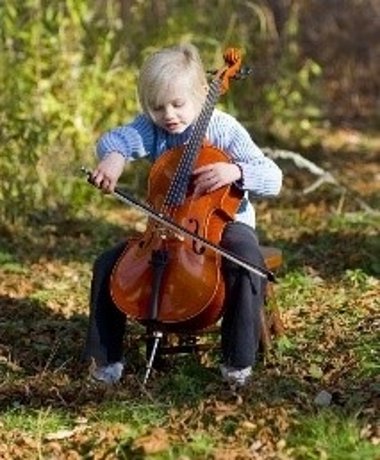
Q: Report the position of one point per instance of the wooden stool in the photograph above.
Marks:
(271, 323)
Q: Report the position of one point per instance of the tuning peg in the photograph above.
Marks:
(244, 72)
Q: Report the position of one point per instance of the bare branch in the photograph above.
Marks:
(323, 176)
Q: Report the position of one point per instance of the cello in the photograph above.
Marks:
(157, 274)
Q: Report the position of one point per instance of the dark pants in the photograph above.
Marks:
(240, 330)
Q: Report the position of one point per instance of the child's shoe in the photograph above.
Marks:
(236, 377)
(109, 374)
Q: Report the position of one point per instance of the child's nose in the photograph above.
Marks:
(169, 112)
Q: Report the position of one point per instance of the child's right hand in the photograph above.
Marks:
(108, 171)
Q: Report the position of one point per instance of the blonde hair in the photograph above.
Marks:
(160, 70)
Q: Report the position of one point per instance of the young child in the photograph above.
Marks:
(172, 89)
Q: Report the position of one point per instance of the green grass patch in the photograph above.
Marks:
(368, 353)
(35, 421)
(329, 435)
(10, 264)
(200, 445)
(187, 382)
(295, 288)
(358, 279)
(138, 415)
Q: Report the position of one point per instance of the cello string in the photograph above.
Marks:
(177, 191)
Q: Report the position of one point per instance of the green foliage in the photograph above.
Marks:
(358, 278)
(295, 113)
(56, 61)
(289, 99)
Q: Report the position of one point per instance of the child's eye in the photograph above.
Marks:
(157, 108)
(178, 103)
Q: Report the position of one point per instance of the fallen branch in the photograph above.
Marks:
(323, 176)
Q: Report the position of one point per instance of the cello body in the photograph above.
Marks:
(192, 289)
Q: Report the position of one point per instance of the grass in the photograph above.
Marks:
(330, 435)
(328, 296)
(136, 414)
(36, 421)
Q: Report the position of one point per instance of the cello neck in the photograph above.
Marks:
(203, 120)
(185, 167)
(176, 193)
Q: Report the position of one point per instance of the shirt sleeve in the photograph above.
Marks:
(260, 175)
(133, 140)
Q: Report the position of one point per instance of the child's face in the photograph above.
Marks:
(177, 107)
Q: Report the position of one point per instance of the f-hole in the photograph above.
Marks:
(198, 248)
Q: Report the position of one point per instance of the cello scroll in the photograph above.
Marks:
(232, 59)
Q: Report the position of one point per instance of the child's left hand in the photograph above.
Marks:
(213, 176)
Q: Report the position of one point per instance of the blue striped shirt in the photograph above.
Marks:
(141, 138)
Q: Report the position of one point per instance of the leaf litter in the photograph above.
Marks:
(329, 346)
